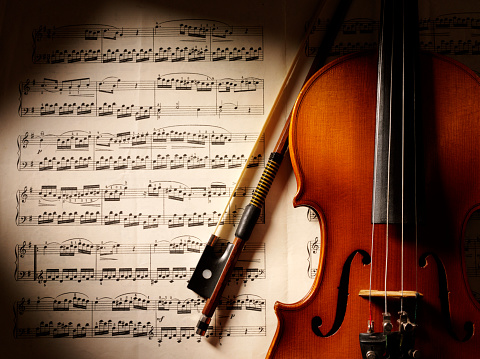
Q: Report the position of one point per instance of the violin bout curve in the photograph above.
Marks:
(332, 149)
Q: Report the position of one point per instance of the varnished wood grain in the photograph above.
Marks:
(332, 151)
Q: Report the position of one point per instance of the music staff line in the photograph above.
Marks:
(110, 85)
(444, 47)
(364, 25)
(83, 140)
(114, 274)
(440, 35)
(180, 94)
(183, 28)
(123, 329)
(145, 221)
(148, 317)
(168, 54)
(116, 193)
(80, 260)
(82, 246)
(206, 41)
(135, 301)
(160, 162)
(159, 150)
(138, 112)
(166, 203)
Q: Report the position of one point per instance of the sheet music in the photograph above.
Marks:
(130, 126)
(124, 129)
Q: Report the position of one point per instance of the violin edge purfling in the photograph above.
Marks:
(332, 147)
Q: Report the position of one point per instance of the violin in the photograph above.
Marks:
(386, 150)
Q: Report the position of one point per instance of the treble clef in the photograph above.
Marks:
(312, 250)
(26, 87)
(21, 306)
(39, 277)
(22, 250)
(23, 141)
(24, 195)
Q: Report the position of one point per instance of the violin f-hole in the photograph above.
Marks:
(444, 301)
(342, 298)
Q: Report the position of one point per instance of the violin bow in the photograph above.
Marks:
(212, 273)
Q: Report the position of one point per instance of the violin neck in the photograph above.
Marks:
(396, 152)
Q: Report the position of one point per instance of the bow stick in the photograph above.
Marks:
(212, 273)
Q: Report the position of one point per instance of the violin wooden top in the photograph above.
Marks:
(331, 144)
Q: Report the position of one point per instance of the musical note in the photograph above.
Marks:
(192, 94)
(170, 148)
(179, 40)
(81, 317)
(108, 255)
(79, 260)
(448, 34)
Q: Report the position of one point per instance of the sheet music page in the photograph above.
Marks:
(125, 126)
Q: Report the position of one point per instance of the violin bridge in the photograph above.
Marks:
(394, 294)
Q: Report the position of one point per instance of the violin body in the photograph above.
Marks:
(332, 147)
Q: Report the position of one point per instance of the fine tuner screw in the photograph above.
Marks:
(387, 323)
(414, 353)
(407, 327)
(387, 327)
(405, 324)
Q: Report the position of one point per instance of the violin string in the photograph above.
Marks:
(415, 188)
(371, 246)
(388, 166)
(416, 208)
(403, 154)
(373, 235)
(388, 201)
(370, 325)
(377, 128)
(414, 77)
